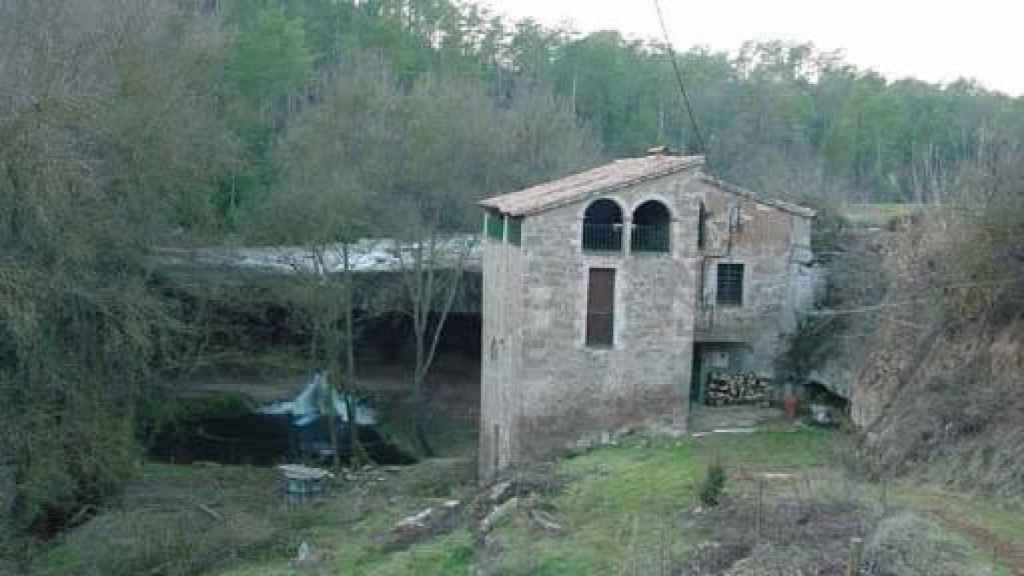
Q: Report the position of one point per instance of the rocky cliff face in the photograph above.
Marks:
(934, 364)
(855, 290)
(952, 401)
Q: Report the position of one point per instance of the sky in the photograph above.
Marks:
(934, 41)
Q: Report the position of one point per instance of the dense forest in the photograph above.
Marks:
(127, 125)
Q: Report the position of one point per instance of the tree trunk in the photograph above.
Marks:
(421, 314)
(326, 326)
(357, 455)
(423, 291)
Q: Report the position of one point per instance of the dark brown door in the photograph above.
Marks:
(601, 307)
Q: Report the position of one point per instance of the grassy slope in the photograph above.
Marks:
(620, 506)
(158, 526)
(624, 497)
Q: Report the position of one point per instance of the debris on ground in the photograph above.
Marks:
(307, 557)
(501, 492)
(425, 524)
(303, 483)
(546, 522)
(498, 515)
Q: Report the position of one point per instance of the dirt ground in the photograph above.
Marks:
(705, 419)
(1009, 553)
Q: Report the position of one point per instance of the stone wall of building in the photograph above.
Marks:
(501, 348)
(774, 247)
(543, 387)
(562, 389)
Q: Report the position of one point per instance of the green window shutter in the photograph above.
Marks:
(515, 231)
(495, 226)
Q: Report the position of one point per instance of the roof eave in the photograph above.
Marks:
(795, 209)
(493, 203)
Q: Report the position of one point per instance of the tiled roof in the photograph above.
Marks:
(614, 176)
(780, 204)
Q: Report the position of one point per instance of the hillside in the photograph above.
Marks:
(929, 346)
(631, 507)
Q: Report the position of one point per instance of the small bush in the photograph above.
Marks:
(713, 485)
(71, 458)
(908, 545)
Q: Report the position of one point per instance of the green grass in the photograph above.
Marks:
(348, 527)
(881, 215)
(450, 554)
(990, 521)
(622, 501)
(619, 505)
(157, 525)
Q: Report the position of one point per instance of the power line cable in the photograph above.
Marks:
(682, 88)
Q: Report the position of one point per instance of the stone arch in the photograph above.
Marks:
(602, 226)
(652, 227)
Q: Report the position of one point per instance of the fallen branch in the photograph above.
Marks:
(81, 514)
(210, 512)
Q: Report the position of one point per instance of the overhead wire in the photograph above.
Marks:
(682, 89)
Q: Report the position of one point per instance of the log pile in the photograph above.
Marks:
(731, 389)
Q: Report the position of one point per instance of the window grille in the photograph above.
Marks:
(649, 238)
(602, 237)
(730, 285)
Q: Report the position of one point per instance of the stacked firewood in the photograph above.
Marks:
(727, 389)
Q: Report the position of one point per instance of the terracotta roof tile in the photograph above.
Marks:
(616, 175)
(739, 191)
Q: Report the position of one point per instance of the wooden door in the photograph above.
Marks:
(601, 308)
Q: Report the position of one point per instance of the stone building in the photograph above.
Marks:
(609, 294)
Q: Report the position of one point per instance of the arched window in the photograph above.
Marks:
(602, 227)
(651, 226)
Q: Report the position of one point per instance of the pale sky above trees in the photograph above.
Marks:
(932, 40)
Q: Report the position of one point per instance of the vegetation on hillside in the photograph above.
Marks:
(940, 386)
(630, 508)
(922, 328)
(131, 124)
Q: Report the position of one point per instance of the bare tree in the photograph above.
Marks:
(319, 203)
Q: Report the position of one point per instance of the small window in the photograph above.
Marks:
(515, 231)
(601, 308)
(730, 285)
(702, 218)
(735, 219)
(495, 225)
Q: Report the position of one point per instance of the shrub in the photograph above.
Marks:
(907, 545)
(713, 485)
(72, 459)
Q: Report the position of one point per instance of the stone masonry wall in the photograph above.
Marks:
(569, 389)
(774, 247)
(501, 348)
(543, 388)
